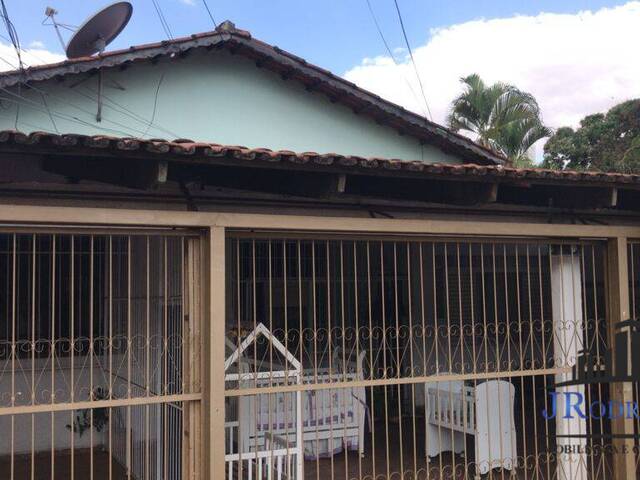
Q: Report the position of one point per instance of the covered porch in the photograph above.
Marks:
(329, 317)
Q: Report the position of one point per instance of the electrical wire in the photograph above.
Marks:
(13, 34)
(406, 41)
(163, 20)
(44, 101)
(155, 102)
(206, 5)
(53, 122)
(136, 133)
(133, 132)
(386, 45)
(121, 108)
(15, 41)
(21, 100)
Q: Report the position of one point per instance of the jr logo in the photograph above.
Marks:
(620, 364)
(576, 407)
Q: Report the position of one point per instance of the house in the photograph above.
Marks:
(354, 292)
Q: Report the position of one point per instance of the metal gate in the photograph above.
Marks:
(99, 354)
(414, 357)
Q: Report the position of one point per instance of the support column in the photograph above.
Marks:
(568, 340)
(214, 397)
(194, 311)
(618, 311)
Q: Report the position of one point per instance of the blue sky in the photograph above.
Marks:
(336, 34)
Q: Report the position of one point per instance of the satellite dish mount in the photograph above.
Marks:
(93, 36)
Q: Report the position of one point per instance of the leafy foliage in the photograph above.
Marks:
(500, 116)
(608, 142)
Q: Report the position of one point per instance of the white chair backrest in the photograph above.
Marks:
(495, 429)
(453, 386)
(495, 397)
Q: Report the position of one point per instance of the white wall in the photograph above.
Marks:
(41, 424)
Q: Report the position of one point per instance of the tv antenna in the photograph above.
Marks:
(93, 36)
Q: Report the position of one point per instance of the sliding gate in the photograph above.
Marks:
(410, 357)
(99, 355)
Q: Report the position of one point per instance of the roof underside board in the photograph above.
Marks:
(142, 169)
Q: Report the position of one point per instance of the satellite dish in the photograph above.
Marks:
(99, 30)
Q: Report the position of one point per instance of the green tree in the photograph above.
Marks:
(500, 116)
(609, 142)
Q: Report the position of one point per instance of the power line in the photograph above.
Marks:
(8, 62)
(62, 115)
(13, 34)
(406, 41)
(386, 45)
(43, 93)
(15, 41)
(206, 5)
(131, 114)
(53, 122)
(20, 100)
(163, 20)
(44, 101)
(155, 102)
(121, 108)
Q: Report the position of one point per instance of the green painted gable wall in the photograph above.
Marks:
(212, 97)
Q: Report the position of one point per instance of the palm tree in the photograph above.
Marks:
(500, 116)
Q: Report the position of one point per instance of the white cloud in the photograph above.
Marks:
(575, 64)
(191, 3)
(36, 44)
(30, 56)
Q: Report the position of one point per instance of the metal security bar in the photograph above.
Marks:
(370, 358)
(95, 335)
(634, 277)
(633, 254)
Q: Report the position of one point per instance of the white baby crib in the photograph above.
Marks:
(265, 432)
(484, 411)
(333, 419)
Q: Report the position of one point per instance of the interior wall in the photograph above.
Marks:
(35, 432)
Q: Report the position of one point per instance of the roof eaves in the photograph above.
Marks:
(37, 142)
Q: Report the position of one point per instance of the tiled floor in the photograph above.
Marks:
(62, 467)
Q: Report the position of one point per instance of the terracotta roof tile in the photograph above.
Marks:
(39, 141)
(349, 161)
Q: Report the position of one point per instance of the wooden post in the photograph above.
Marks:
(617, 311)
(214, 368)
